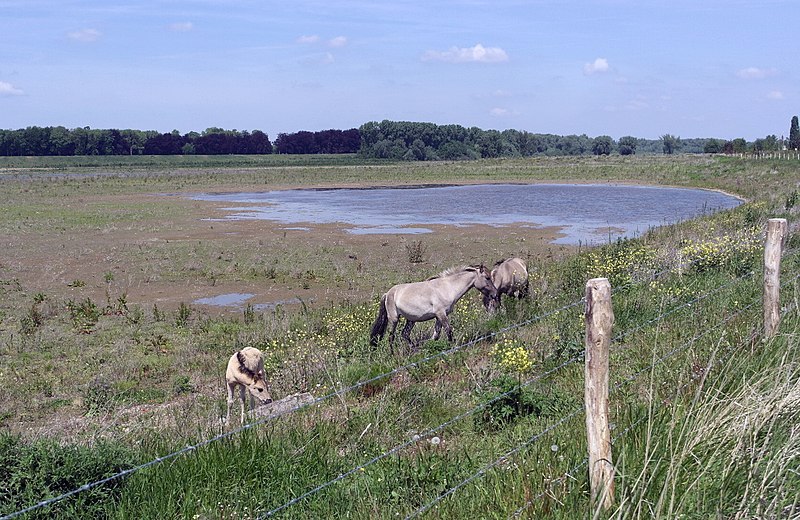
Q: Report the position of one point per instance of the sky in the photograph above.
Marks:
(645, 68)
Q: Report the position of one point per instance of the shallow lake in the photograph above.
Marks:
(585, 213)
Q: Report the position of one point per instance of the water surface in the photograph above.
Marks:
(585, 213)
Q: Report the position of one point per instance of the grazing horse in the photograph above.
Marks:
(246, 370)
(433, 298)
(510, 276)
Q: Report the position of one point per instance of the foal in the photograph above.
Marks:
(246, 370)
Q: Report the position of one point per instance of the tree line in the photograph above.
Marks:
(58, 140)
(427, 141)
(396, 140)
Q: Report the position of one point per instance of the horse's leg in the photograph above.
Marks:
(437, 329)
(392, 329)
(524, 289)
(242, 398)
(407, 333)
(443, 322)
(231, 391)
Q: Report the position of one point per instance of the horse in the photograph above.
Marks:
(432, 298)
(246, 371)
(510, 276)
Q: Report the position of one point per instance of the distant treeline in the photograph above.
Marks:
(58, 140)
(427, 141)
(398, 140)
(325, 141)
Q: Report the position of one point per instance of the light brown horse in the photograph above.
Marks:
(246, 371)
(510, 276)
(433, 298)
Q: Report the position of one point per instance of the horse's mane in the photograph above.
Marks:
(500, 261)
(453, 270)
(247, 365)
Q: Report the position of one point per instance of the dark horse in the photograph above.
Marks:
(433, 298)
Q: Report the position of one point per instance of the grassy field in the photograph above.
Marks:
(106, 365)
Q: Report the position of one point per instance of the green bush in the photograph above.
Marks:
(520, 401)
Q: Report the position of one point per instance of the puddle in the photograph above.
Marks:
(225, 300)
(238, 300)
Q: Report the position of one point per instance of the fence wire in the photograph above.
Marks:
(192, 447)
(518, 448)
(483, 405)
(337, 393)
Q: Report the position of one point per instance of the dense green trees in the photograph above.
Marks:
(326, 141)
(427, 141)
(627, 145)
(603, 145)
(395, 140)
(58, 140)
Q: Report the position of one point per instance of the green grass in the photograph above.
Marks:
(716, 404)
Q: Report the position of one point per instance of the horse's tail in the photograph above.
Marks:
(379, 327)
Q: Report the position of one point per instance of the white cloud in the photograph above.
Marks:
(7, 89)
(478, 53)
(499, 112)
(311, 38)
(181, 26)
(84, 35)
(775, 94)
(755, 73)
(598, 65)
(339, 41)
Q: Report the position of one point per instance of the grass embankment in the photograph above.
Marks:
(711, 408)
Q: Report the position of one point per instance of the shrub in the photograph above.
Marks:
(521, 401)
(416, 252)
(84, 315)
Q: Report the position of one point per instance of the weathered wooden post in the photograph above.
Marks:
(777, 230)
(599, 319)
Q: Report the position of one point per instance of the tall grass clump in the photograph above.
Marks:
(731, 449)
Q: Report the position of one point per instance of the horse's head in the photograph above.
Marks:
(491, 304)
(483, 282)
(251, 369)
(259, 388)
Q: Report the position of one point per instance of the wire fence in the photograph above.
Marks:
(575, 412)
(439, 355)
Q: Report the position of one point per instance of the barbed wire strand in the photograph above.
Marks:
(461, 416)
(192, 447)
(342, 391)
(682, 306)
(419, 437)
(493, 464)
(570, 473)
(496, 462)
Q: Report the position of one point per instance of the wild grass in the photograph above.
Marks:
(496, 425)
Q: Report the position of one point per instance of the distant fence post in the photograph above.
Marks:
(599, 319)
(777, 230)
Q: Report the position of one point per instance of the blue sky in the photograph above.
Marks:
(690, 68)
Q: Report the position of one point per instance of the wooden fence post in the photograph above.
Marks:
(599, 319)
(777, 230)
